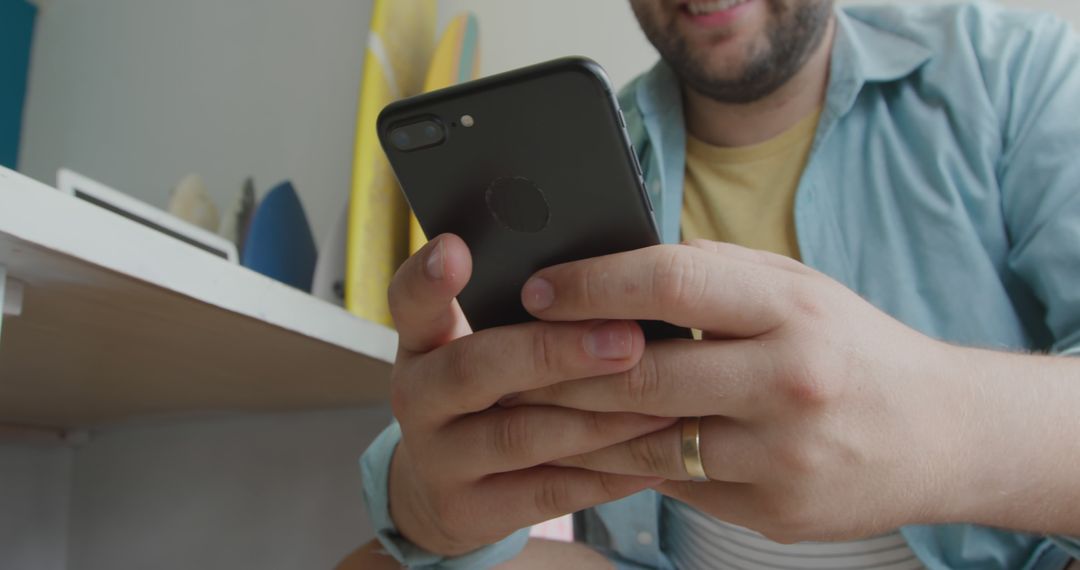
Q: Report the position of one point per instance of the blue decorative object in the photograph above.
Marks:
(16, 31)
(279, 242)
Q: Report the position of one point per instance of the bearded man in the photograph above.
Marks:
(874, 219)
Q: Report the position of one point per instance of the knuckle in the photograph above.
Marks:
(677, 279)
(551, 496)
(545, 352)
(810, 391)
(808, 299)
(595, 424)
(608, 488)
(648, 454)
(641, 384)
(510, 434)
(594, 284)
(806, 382)
(461, 367)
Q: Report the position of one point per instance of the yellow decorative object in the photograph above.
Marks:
(398, 53)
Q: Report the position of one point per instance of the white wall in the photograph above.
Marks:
(273, 492)
(514, 33)
(35, 485)
(138, 93)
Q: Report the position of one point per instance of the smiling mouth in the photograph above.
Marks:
(704, 8)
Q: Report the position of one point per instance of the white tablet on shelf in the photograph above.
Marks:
(119, 203)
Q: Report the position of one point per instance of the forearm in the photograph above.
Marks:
(1022, 431)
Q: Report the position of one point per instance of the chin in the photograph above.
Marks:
(724, 61)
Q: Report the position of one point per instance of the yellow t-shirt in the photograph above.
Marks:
(746, 195)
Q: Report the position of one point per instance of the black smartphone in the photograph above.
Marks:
(531, 168)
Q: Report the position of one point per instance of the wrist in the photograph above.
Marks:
(950, 431)
(1013, 458)
(413, 521)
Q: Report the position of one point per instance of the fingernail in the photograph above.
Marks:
(508, 400)
(434, 264)
(537, 294)
(610, 341)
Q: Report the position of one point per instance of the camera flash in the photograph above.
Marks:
(467, 121)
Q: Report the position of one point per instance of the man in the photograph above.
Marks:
(924, 163)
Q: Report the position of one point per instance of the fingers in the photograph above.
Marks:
(729, 452)
(501, 440)
(756, 256)
(685, 286)
(676, 378)
(422, 294)
(473, 372)
(542, 493)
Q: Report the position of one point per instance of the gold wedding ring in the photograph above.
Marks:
(691, 449)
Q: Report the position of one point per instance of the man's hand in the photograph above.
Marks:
(823, 418)
(467, 473)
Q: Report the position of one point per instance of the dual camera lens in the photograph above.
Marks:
(420, 134)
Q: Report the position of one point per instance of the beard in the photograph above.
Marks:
(794, 31)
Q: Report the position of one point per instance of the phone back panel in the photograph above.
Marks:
(545, 175)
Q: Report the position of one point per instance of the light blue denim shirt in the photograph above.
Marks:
(943, 186)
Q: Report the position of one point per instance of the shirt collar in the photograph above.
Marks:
(873, 54)
(862, 53)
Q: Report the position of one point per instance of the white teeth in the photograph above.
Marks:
(699, 8)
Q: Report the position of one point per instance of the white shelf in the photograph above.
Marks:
(119, 320)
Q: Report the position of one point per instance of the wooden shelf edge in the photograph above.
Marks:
(38, 214)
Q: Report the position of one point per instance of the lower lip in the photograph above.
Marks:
(721, 18)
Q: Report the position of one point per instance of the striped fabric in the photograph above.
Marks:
(696, 541)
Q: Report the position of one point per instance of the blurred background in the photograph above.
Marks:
(139, 94)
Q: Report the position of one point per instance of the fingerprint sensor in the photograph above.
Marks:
(517, 204)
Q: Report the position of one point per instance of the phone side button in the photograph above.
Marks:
(637, 165)
(622, 119)
(645, 191)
